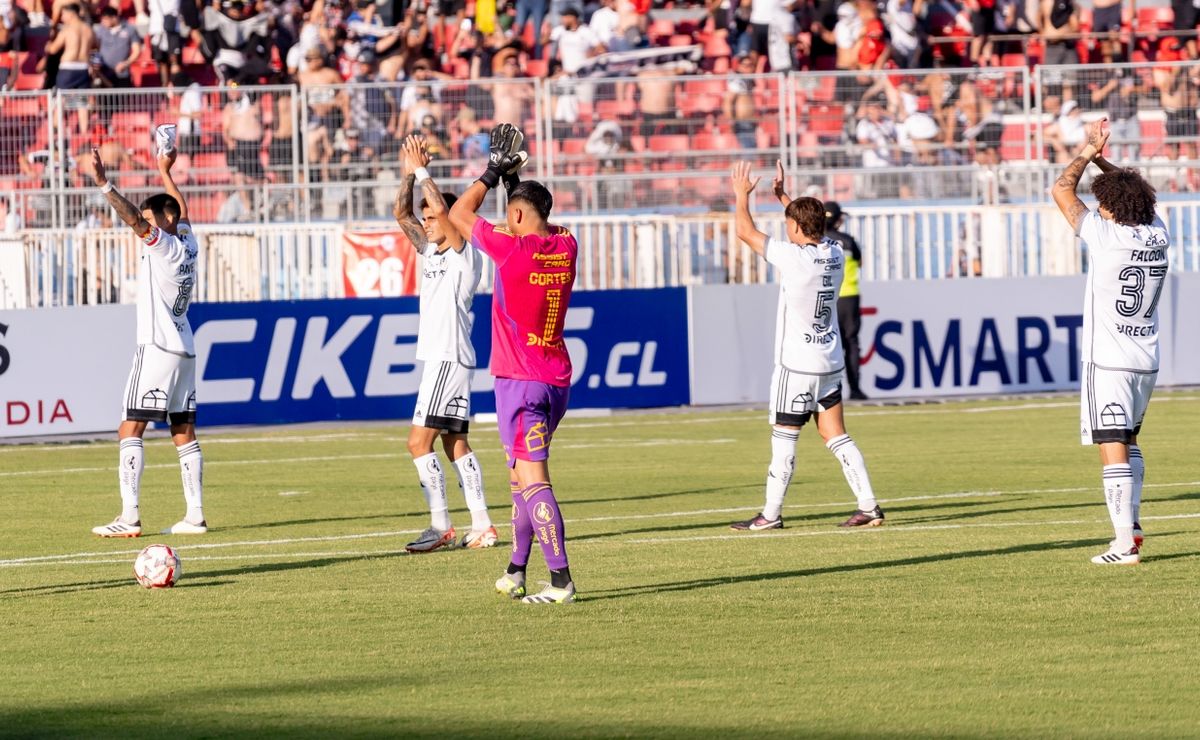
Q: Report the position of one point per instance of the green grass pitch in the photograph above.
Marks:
(974, 612)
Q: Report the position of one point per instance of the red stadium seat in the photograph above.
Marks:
(680, 39)
(717, 46)
(672, 143)
(1151, 19)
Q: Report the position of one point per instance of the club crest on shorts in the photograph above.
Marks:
(537, 437)
(802, 402)
(1113, 415)
(542, 513)
(456, 408)
(155, 399)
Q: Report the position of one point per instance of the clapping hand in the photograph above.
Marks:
(743, 185)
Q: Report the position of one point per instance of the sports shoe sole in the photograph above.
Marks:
(127, 536)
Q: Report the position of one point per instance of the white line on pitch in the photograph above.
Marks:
(49, 559)
(888, 530)
(211, 545)
(580, 520)
(252, 556)
(363, 456)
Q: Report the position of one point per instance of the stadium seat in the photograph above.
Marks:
(536, 67)
(671, 143)
(717, 46)
(715, 143)
(1151, 19)
(680, 39)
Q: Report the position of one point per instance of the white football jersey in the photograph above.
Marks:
(166, 279)
(806, 328)
(1127, 268)
(448, 282)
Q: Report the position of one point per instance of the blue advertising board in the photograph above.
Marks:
(295, 361)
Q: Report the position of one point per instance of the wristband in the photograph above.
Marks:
(422, 175)
(490, 178)
(107, 187)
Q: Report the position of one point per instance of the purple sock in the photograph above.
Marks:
(547, 522)
(522, 530)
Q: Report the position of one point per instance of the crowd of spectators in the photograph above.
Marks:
(449, 69)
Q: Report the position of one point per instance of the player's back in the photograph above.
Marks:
(806, 331)
(448, 282)
(1127, 270)
(534, 278)
(166, 280)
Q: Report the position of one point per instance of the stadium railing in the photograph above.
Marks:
(262, 154)
(55, 267)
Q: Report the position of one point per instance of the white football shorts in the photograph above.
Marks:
(1113, 404)
(795, 396)
(444, 400)
(161, 387)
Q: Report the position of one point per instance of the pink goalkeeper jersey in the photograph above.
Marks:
(534, 275)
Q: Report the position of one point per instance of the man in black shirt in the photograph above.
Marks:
(849, 310)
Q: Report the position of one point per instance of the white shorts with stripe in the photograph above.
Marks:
(1113, 404)
(161, 387)
(444, 400)
(795, 396)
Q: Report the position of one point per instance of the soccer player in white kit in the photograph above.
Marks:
(807, 380)
(450, 272)
(162, 383)
(1127, 247)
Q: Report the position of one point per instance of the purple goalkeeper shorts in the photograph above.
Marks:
(527, 413)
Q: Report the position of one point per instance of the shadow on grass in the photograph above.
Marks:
(716, 582)
(203, 579)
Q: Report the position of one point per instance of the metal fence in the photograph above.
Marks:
(53, 267)
(651, 142)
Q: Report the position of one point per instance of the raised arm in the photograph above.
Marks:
(1064, 188)
(403, 209)
(505, 157)
(165, 163)
(777, 185)
(742, 187)
(127, 211)
(464, 212)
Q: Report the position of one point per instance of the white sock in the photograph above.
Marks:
(779, 474)
(1137, 464)
(1118, 494)
(433, 485)
(191, 468)
(470, 480)
(133, 461)
(854, 467)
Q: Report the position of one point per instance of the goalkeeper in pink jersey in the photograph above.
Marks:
(535, 270)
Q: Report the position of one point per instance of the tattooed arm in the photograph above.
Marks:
(403, 211)
(1064, 188)
(437, 204)
(127, 211)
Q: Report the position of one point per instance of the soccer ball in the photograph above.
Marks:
(157, 567)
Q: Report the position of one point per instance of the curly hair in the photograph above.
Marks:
(1126, 195)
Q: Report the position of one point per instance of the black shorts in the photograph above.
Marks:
(1107, 19)
(983, 22)
(1185, 15)
(173, 44)
(244, 158)
(760, 34)
(1181, 123)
